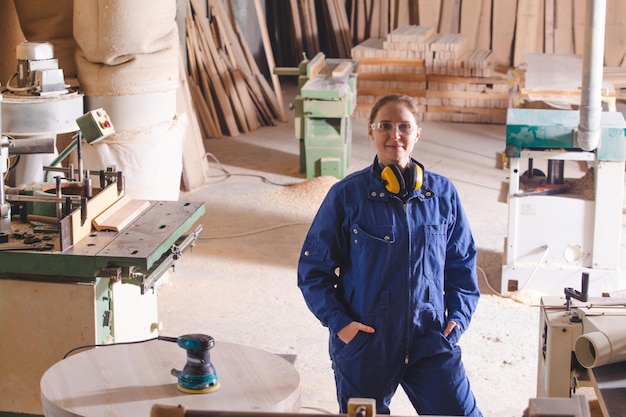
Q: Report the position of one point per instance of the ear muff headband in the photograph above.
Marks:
(397, 182)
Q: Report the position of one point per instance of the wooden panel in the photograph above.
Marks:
(614, 40)
(549, 23)
(470, 17)
(429, 12)
(580, 7)
(450, 16)
(95, 206)
(120, 214)
(563, 27)
(528, 19)
(484, 26)
(505, 12)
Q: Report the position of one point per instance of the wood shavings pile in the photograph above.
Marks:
(301, 199)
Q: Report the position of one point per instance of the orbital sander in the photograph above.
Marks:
(198, 375)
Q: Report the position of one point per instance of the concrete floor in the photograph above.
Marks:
(239, 283)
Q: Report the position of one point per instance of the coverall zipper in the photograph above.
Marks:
(408, 318)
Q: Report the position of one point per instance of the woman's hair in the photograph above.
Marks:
(410, 102)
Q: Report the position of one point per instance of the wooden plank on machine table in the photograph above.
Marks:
(563, 27)
(429, 12)
(95, 206)
(470, 16)
(528, 13)
(503, 31)
(120, 214)
(450, 16)
(614, 39)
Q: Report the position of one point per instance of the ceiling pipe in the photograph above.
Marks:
(593, 68)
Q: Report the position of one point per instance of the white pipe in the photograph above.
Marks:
(593, 63)
(600, 348)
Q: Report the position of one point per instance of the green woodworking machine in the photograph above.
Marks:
(323, 108)
(79, 259)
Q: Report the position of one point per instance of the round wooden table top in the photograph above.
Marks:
(127, 380)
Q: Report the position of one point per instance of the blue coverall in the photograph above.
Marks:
(405, 268)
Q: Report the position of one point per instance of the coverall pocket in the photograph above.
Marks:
(342, 350)
(434, 261)
(373, 233)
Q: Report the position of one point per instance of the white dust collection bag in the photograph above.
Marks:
(150, 154)
(128, 61)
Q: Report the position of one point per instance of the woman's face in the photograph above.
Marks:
(395, 132)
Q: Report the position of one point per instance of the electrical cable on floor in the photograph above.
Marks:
(255, 231)
(510, 295)
(228, 174)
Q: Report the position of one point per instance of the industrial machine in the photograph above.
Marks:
(80, 258)
(561, 226)
(323, 108)
(583, 344)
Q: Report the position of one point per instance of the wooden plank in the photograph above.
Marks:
(95, 206)
(450, 16)
(342, 69)
(470, 17)
(297, 39)
(212, 83)
(549, 24)
(580, 14)
(484, 26)
(429, 12)
(203, 103)
(615, 33)
(379, 76)
(195, 165)
(474, 110)
(528, 19)
(403, 13)
(503, 32)
(563, 27)
(120, 214)
(391, 61)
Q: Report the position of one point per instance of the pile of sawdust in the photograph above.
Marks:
(301, 199)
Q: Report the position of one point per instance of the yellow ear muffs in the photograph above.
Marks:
(418, 176)
(394, 182)
(398, 182)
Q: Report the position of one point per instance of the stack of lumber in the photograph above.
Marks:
(511, 29)
(451, 81)
(230, 94)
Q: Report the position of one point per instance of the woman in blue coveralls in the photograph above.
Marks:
(389, 266)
